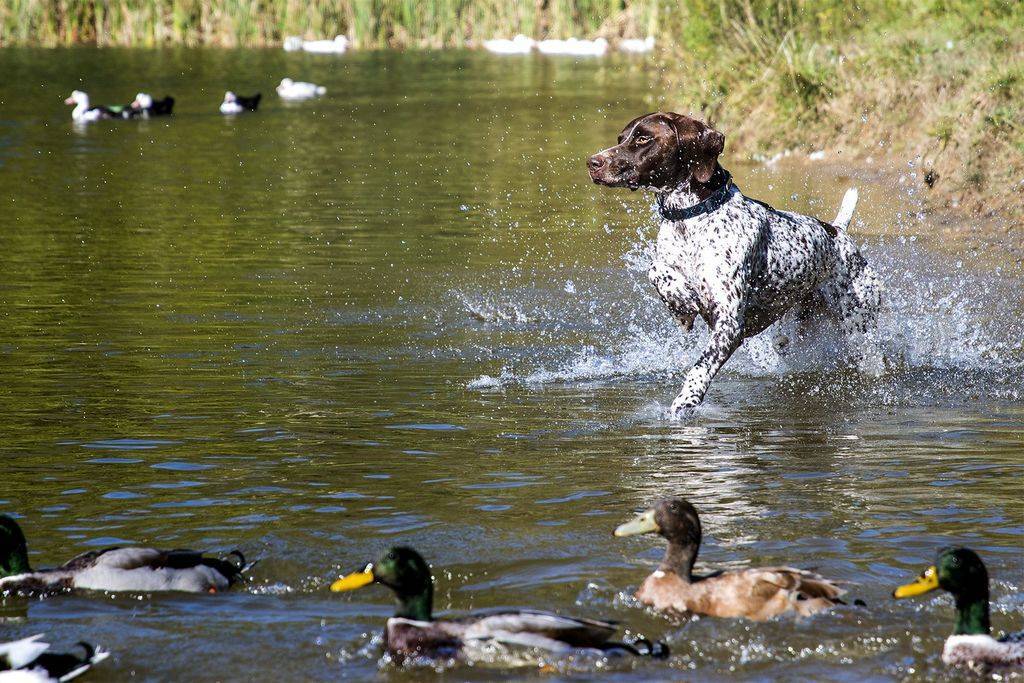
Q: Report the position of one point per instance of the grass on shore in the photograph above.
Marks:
(938, 84)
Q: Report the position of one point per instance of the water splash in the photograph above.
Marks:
(945, 323)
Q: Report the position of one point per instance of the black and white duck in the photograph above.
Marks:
(29, 661)
(84, 111)
(236, 104)
(414, 632)
(132, 568)
(960, 572)
(145, 106)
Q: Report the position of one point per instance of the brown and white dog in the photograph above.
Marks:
(735, 262)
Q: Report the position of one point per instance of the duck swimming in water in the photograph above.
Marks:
(236, 104)
(298, 90)
(115, 569)
(757, 593)
(28, 661)
(414, 632)
(145, 106)
(83, 111)
(961, 572)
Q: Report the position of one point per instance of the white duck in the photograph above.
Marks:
(27, 661)
(520, 45)
(574, 46)
(299, 90)
(636, 44)
(336, 46)
(82, 110)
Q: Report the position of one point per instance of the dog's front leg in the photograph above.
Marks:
(726, 337)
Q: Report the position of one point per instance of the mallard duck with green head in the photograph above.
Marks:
(961, 572)
(132, 568)
(756, 593)
(414, 632)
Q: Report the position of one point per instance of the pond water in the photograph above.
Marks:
(401, 314)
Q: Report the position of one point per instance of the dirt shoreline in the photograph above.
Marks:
(954, 228)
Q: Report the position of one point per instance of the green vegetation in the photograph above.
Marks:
(369, 23)
(935, 82)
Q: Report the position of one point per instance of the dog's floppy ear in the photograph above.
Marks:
(699, 145)
(710, 144)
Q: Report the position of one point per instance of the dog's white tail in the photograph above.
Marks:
(845, 214)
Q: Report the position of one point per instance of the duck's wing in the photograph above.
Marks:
(67, 666)
(571, 631)
(114, 558)
(127, 559)
(760, 593)
(19, 653)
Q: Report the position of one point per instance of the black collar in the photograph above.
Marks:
(714, 201)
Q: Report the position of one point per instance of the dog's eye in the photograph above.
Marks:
(642, 139)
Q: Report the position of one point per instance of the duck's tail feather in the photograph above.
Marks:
(241, 566)
(642, 647)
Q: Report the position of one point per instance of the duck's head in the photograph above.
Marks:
(286, 83)
(229, 97)
(77, 97)
(961, 572)
(13, 549)
(142, 101)
(674, 519)
(406, 573)
(957, 570)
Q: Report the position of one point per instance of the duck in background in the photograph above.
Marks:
(83, 111)
(28, 661)
(299, 90)
(755, 593)
(636, 44)
(145, 106)
(574, 46)
(135, 569)
(339, 45)
(414, 632)
(960, 572)
(236, 104)
(520, 45)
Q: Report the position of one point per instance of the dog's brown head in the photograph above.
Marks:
(659, 150)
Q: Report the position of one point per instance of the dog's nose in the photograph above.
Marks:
(595, 162)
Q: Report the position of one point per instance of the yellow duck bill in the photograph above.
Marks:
(644, 524)
(354, 580)
(927, 582)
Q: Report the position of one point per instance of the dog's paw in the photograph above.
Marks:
(684, 407)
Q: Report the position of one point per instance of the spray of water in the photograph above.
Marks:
(951, 327)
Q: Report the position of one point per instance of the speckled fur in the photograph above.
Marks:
(744, 265)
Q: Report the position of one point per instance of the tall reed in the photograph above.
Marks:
(369, 23)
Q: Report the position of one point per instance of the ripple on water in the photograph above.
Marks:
(179, 466)
(130, 444)
(431, 426)
(115, 461)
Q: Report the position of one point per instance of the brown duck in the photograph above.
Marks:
(756, 593)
